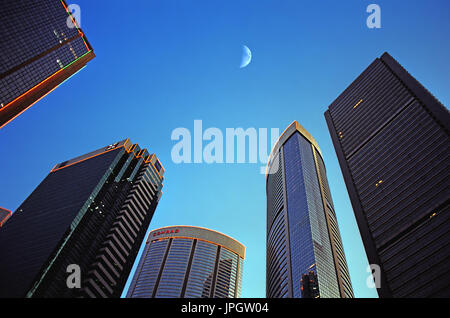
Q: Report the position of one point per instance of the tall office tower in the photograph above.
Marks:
(41, 47)
(391, 137)
(4, 215)
(305, 256)
(189, 262)
(83, 224)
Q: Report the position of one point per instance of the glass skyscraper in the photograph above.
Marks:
(41, 47)
(305, 256)
(391, 136)
(91, 212)
(189, 262)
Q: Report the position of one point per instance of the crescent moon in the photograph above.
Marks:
(246, 56)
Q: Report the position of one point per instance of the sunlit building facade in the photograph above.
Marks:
(93, 212)
(41, 47)
(4, 215)
(189, 262)
(391, 136)
(305, 256)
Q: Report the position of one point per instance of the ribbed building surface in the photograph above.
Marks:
(305, 256)
(92, 211)
(392, 140)
(189, 262)
(41, 46)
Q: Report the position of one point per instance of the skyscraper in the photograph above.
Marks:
(42, 46)
(189, 262)
(4, 215)
(91, 212)
(305, 256)
(391, 137)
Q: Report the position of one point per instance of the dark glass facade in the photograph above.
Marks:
(41, 46)
(4, 215)
(92, 211)
(391, 137)
(189, 262)
(305, 256)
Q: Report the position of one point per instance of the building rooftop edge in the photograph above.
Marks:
(241, 246)
(288, 132)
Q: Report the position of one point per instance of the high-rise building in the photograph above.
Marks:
(41, 47)
(189, 262)
(84, 223)
(391, 137)
(305, 256)
(4, 215)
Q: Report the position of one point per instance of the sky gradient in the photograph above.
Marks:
(162, 64)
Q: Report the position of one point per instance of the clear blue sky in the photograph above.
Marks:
(161, 64)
